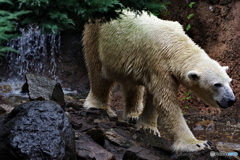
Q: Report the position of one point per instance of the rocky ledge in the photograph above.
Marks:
(45, 130)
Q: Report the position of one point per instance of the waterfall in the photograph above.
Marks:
(37, 53)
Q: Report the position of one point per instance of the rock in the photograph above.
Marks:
(97, 113)
(97, 134)
(199, 155)
(5, 108)
(36, 130)
(39, 86)
(78, 106)
(158, 143)
(5, 88)
(68, 98)
(118, 139)
(229, 148)
(139, 153)
(87, 149)
(204, 125)
(58, 95)
(42, 88)
(2, 110)
(13, 100)
(25, 88)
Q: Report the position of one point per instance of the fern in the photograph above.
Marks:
(7, 26)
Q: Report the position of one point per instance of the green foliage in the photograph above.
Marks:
(190, 15)
(7, 26)
(191, 4)
(54, 15)
(188, 27)
(187, 95)
(187, 107)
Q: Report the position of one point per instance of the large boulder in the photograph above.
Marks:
(37, 130)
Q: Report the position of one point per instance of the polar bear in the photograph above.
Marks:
(144, 52)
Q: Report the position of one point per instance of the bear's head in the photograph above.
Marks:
(212, 84)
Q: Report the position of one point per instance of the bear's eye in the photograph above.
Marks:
(217, 85)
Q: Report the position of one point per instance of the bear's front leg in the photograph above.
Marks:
(148, 119)
(173, 121)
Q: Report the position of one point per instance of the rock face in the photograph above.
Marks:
(40, 87)
(36, 130)
(41, 130)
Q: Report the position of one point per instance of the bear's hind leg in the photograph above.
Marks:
(149, 117)
(99, 86)
(99, 94)
(133, 97)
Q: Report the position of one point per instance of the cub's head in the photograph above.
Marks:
(212, 84)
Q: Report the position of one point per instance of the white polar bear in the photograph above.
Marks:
(144, 51)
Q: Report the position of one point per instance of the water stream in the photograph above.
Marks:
(37, 53)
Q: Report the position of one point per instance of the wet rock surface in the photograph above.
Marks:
(36, 130)
(5, 88)
(4, 109)
(122, 139)
(42, 88)
(97, 137)
(88, 149)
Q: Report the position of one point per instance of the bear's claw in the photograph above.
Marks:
(150, 129)
(191, 145)
(132, 120)
(209, 143)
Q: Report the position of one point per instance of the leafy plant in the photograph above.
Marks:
(188, 27)
(187, 107)
(187, 95)
(190, 15)
(191, 4)
(7, 26)
(53, 16)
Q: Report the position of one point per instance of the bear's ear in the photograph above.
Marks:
(193, 75)
(225, 68)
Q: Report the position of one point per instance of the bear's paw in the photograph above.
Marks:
(92, 103)
(191, 145)
(111, 113)
(131, 119)
(149, 129)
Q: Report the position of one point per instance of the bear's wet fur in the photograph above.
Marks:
(146, 52)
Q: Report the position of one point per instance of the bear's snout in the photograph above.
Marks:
(226, 103)
(231, 102)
